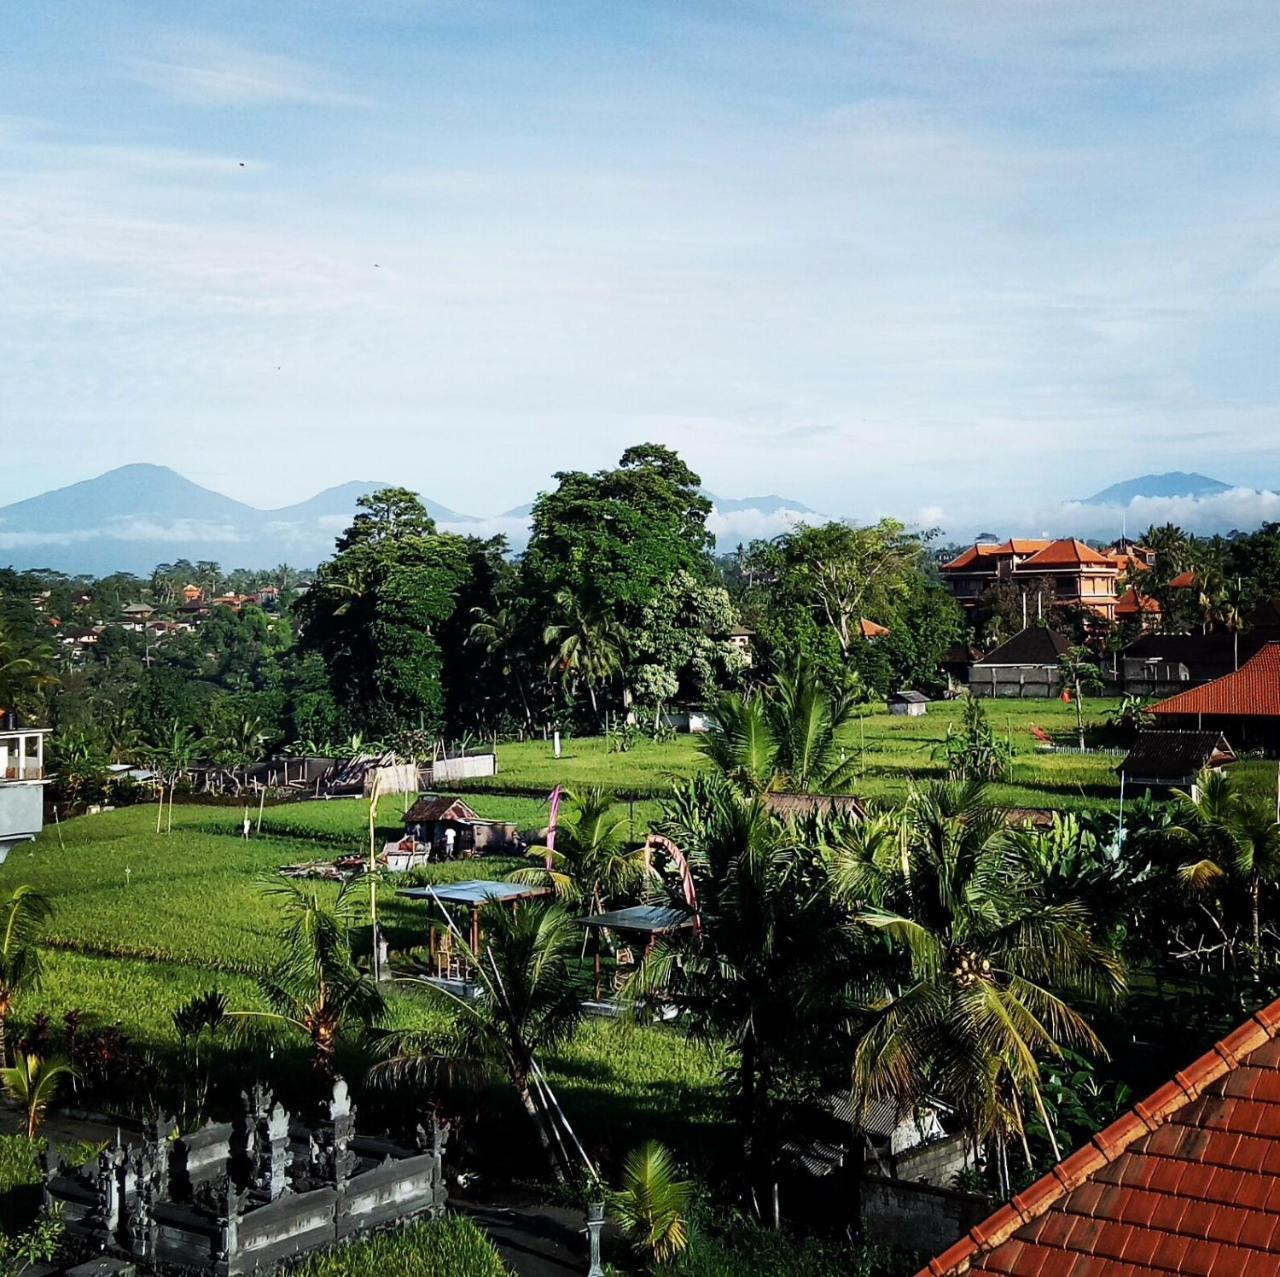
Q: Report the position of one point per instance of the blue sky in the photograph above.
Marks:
(942, 259)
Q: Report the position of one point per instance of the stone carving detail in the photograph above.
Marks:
(192, 1203)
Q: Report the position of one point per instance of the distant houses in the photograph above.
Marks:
(1025, 666)
(1070, 572)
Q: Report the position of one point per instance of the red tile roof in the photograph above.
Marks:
(1183, 581)
(970, 557)
(1131, 603)
(870, 630)
(1068, 553)
(1188, 1181)
(1252, 691)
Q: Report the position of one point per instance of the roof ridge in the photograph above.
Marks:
(1142, 1119)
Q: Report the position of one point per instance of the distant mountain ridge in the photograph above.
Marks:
(131, 518)
(1174, 483)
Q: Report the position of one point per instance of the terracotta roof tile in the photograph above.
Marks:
(1068, 552)
(1252, 691)
(1186, 1182)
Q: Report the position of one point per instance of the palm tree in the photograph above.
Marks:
(528, 1001)
(316, 987)
(587, 645)
(22, 921)
(1080, 674)
(497, 633)
(766, 969)
(592, 864)
(984, 960)
(786, 737)
(652, 1207)
(1238, 837)
(32, 1083)
(25, 669)
(171, 758)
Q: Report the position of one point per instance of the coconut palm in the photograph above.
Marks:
(785, 737)
(586, 645)
(497, 633)
(23, 917)
(26, 668)
(652, 1207)
(527, 1001)
(316, 987)
(985, 963)
(32, 1083)
(766, 969)
(592, 864)
(1237, 836)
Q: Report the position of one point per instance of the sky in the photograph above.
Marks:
(951, 261)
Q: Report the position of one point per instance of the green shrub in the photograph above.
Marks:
(450, 1247)
(19, 1181)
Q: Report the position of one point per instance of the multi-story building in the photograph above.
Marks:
(1066, 570)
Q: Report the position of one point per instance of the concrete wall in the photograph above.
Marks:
(468, 768)
(1015, 682)
(21, 813)
(937, 1162)
(919, 1216)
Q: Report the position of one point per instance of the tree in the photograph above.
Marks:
(985, 962)
(786, 736)
(23, 918)
(26, 669)
(171, 758)
(1080, 674)
(592, 866)
(528, 1001)
(653, 1205)
(1238, 837)
(767, 967)
(843, 572)
(586, 646)
(975, 752)
(614, 540)
(374, 610)
(316, 987)
(32, 1084)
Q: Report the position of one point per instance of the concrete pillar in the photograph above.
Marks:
(595, 1225)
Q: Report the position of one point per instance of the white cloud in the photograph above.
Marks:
(211, 72)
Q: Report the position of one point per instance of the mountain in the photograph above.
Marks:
(136, 516)
(760, 505)
(340, 501)
(1173, 484)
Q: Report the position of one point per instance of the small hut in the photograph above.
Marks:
(449, 827)
(1163, 760)
(448, 961)
(639, 925)
(910, 704)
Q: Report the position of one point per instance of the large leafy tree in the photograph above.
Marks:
(375, 608)
(987, 964)
(613, 540)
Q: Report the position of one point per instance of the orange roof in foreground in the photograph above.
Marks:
(1188, 1181)
(871, 630)
(1068, 553)
(1183, 581)
(1252, 691)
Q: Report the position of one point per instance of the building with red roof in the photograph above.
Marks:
(1244, 704)
(1188, 1181)
(1066, 571)
(1132, 606)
